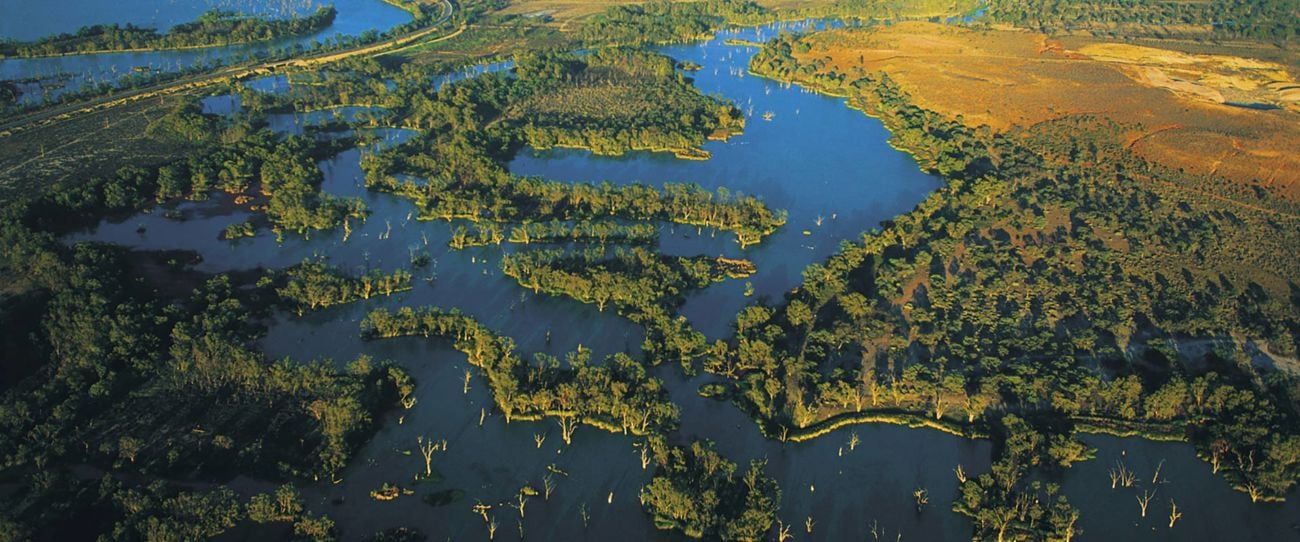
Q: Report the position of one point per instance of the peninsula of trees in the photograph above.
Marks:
(213, 28)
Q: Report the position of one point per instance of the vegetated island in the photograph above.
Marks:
(1026, 287)
(213, 28)
(1047, 290)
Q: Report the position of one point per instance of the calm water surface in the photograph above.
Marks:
(815, 159)
(53, 76)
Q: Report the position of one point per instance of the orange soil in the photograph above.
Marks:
(1170, 101)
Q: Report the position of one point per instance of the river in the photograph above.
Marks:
(833, 171)
(50, 77)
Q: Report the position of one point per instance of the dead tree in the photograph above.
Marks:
(1145, 499)
(568, 424)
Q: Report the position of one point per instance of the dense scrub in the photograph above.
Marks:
(113, 510)
(697, 491)
(667, 22)
(164, 385)
(1006, 503)
(1036, 283)
(213, 28)
(618, 395)
(611, 101)
(643, 286)
(1273, 21)
(474, 125)
(312, 285)
(248, 160)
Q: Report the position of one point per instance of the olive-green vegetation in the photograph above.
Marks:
(129, 374)
(611, 101)
(1272, 21)
(697, 491)
(110, 509)
(1052, 275)
(238, 156)
(472, 126)
(617, 396)
(135, 380)
(1005, 504)
(693, 488)
(641, 285)
(157, 512)
(876, 10)
(667, 22)
(598, 232)
(313, 285)
(678, 22)
(594, 231)
(213, 28)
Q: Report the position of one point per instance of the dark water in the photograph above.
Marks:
(69, 73)
(34, 19)
(815, 158)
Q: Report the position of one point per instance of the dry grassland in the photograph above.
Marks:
(1175, 103)
(88, 145)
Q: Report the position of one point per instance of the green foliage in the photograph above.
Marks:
(1006, 505)
(667, 22)
(313, 285)
(643, 286)
(1274, 21)
(618, 395)
(212, 28)
(614, 100)
(697, 491)
(135, 375)
(8, 93)
(1026, 283)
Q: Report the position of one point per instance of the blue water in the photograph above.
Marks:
(815, 158)
(27, 20)
(69, 73)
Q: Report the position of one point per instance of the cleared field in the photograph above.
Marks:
(1177, 108)
(93, 144)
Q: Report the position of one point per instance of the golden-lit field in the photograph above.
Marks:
(1175, 105)
(89, 145)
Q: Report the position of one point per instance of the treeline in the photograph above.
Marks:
(213, 28)
(111, 509)
(504, 198)
(587, 231)
(1272, 21)
(875, 10)
(8, 93)
(283, 171)
(667, 22)
(156, 512)
(612, 101)
(641, 285)
(555, 232)
(130, 373)
(248, 155)
(1050, 276)
(313, 285)
(694, 489)
(1006, 503)
(473, 126)
(697, 491)
(618, 395)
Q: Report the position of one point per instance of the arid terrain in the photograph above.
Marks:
(1233, 117)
